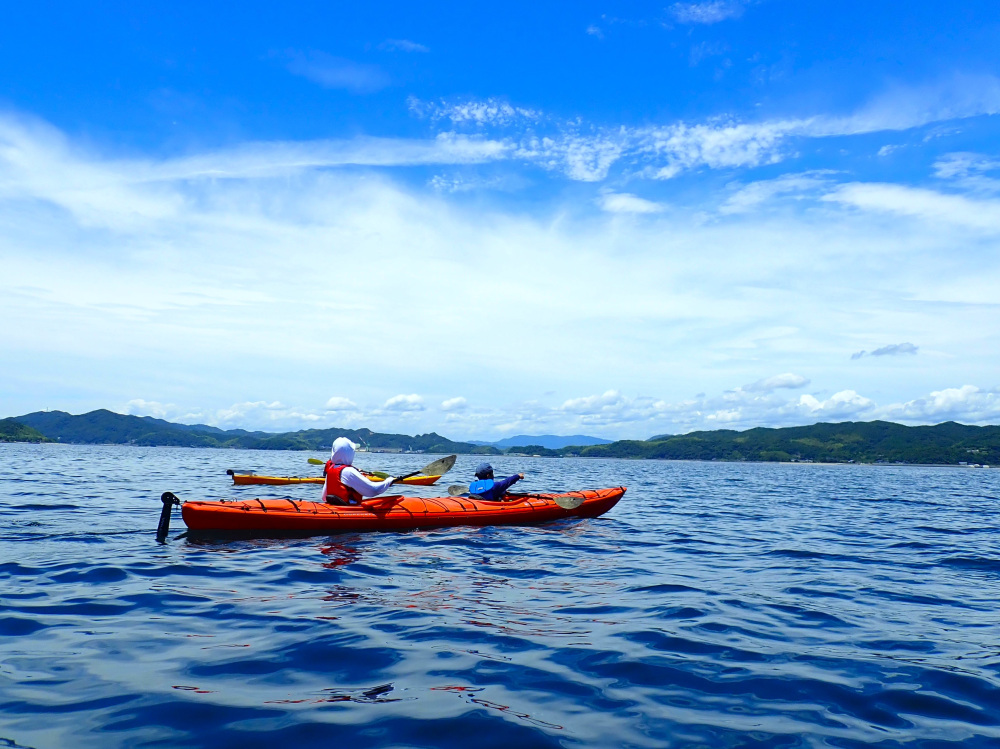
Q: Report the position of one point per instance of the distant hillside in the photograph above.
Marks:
(12, 430)
(104, 427)
(548, 441)
(860, 442)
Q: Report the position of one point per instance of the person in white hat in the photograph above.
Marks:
(345, 484)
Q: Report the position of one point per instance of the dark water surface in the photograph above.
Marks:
(717, 605)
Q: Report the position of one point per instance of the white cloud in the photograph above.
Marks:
(968, 404)
(786, 380)
(339, 403)
(716, 145)
(968, 171)
(954, 165)
(624, 202)
(336, 72)
(917, 202)
(595, 31)
(38, 163)
(465, 183)
(187, 264)
(403, 45)
(904, 107)
(262, 160)
(491, 111)
(454, 404)
(140, 407)
(613, 414)
(587, 152)
(750, 197)
(586, 158)
(591, 404)
(404, 403)
(240, 410)
(708, 12)
(846, 404)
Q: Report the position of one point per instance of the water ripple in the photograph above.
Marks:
(719, 605)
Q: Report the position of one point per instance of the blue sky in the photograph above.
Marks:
(622, 219)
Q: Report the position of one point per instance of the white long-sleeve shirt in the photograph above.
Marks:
(354, 479)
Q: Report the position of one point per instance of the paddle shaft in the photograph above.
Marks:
(564, 501)
(434, 468)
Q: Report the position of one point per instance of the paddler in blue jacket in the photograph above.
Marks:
(486, 487)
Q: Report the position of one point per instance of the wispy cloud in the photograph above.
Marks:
(955, 165)
(623, 202)
(895, 349)
(704, 50)
(969, 171)
(750, 197)
(182, 260)
(587, 152)
(491, 111)
(403, 45)
(337, 72)
(265, 415)
(787, 380)
(36, 161)
(712, 11)
(460, 183)
(917, 202)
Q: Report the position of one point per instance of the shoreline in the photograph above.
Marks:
(521, 455)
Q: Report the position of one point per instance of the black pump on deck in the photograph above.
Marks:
(169, 500)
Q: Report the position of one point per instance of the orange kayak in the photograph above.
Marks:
(249, 479)
(394, 513)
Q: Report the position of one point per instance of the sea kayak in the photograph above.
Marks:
(248, 479)
(394, 513)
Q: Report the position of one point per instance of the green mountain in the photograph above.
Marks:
(859, 442)
(12, 430)
(104, 427)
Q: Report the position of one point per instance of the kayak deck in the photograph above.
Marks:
(393, 513)
(253, 479)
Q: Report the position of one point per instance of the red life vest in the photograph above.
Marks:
(335, 487)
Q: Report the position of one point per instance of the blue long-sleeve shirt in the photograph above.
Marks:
(500, 487)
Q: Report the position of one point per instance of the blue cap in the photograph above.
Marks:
(484, 471)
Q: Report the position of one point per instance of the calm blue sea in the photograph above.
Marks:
(718, 605)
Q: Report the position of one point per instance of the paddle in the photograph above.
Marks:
(567, 503)
(438, 467)
(376, 474)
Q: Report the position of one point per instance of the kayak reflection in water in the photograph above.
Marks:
(345, 485)
(488, 488)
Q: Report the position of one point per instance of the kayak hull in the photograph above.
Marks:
(253, 479)
(285, 517)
